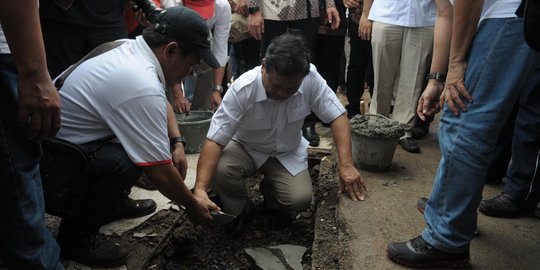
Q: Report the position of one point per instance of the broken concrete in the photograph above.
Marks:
(286, 257)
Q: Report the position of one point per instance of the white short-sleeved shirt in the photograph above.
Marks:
(406, 13)
(498, 9)
(267, 127)
(219, 25)
(119, 93)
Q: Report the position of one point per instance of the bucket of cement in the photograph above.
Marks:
(194, 128)
(374, 140)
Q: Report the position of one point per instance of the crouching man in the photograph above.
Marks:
(121, 94)
(258, 128)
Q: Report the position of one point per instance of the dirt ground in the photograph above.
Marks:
(213, 248)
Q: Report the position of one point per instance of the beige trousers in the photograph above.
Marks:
(401, 58)
(282, 191)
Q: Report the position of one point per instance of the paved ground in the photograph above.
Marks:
(389, 214)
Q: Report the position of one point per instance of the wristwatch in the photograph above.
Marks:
(219, 88)
(253, 10)
(441, 77)
(178, 139)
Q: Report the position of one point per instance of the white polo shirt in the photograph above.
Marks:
(119, 93)
(267, 127)
(406, 13)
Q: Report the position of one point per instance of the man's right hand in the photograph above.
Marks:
(200, 213)
(428, 104)
(256, 25)
(39, 106)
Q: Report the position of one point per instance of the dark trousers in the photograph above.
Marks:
(523, 177)
(328, 53)
(112, 174)
(25, 242)
(66, 43)
(308, 28)
(359, 69)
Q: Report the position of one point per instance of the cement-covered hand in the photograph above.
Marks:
(351, 182)
(454, 89)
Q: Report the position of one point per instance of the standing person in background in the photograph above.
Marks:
(203, 90)
(29, 112)
(268, 19)
(402, 41)
(73, 28)
(359, 69)
(330, 43)
(480, 91)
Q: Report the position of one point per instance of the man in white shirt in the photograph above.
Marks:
(258, 128)
(121, 94)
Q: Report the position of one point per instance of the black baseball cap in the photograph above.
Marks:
(187, 26)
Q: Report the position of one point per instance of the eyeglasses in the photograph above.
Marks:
(194, 67)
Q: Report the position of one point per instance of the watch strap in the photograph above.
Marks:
(436, 76)
(178, 139)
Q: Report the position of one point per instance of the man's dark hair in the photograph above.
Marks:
(155, 39)
(288, 54)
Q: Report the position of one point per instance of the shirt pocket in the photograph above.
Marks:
(257, 119)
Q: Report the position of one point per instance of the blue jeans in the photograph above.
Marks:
(498, 66)
(523, 177)
(25, 242)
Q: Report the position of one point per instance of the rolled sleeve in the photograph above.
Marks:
(325, 103)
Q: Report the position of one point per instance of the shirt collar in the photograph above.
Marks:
(141, 45)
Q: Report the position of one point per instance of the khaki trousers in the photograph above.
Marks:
(282, 191)
(401, 58)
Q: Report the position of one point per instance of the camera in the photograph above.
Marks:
(148, 8)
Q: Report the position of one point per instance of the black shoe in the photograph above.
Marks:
(504, 207)
(409, 145)
(417, 253)
(93, 252)
(421, 206)
(311, 135)
(130, 208)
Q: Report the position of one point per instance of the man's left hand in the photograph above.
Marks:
(333, 17)
(179, 160)
(351, 182)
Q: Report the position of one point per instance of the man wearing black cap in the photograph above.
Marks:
(121, 94)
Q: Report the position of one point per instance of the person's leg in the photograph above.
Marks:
(228, 182)
(327, 58)
(272, 29)
(386, 42)
(285, 193)
(521, 191)
(360, 55)
(25, 242)
(466, 140)
(203, 88)
(111, 174)
(415, 60)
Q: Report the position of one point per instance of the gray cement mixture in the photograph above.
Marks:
(373, 125)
